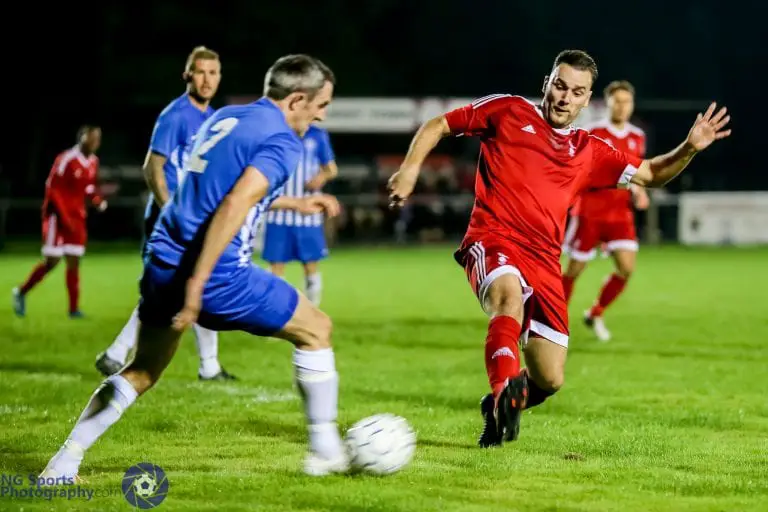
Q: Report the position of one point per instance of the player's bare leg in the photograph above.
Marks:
(310, 332)
(313, 282)
(156, 347)
(545, 366)
(610, 291)
(501, 409)
(73, 285)
(277, 269)
(41, 270)
(572, 272)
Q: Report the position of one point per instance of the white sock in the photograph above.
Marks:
(126, 340)
(313, 287)
(207, 342)
(106, 406)
(319, 386)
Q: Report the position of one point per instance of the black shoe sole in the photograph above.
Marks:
(511, 404)
(488, 438)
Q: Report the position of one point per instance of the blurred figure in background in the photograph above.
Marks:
(169, 147)
(605, 216)
(71, 182)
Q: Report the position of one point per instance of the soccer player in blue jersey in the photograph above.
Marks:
(169, 147)
(291, 236)
(198, 265)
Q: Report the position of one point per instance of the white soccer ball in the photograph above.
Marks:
(382, 444)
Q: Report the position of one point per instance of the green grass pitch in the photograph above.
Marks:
(670, 415)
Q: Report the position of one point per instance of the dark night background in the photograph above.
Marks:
(118, 65)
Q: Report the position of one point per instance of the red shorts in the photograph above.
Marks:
(585, 234)
(60, 241)
(489, 257)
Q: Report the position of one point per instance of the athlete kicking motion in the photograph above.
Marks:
(532, 165)
(199, 268)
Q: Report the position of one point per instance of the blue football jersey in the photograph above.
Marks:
(234, 138)
(318, 152)
(172, 138)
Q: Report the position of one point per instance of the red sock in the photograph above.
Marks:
(37, 275)
(73, 287)
(568, 287)
(502, 357)
(612, 288)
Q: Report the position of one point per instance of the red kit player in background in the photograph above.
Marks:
(533, 164)
(72, 181)
(605, 216)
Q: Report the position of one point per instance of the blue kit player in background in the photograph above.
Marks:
(289, 235)
(169, 148)
(199, 264)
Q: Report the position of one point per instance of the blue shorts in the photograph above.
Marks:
(283, 244)
(250, 299)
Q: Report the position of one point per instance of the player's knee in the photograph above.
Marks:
(318, 335)
(625, 270)
(51, 262)
(142, 379)
(507, 305)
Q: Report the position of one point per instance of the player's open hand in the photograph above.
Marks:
(709, 127)
(400, 186)
(192, 304)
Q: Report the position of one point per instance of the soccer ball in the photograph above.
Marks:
(145, 485)
(382, 444)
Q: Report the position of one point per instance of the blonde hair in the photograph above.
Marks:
(199, 52)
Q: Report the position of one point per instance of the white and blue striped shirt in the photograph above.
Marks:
(317, 153)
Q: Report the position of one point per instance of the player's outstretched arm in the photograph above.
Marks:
(308, 205)
(707, 128)
(228, 219)
(401, 183)
(155, 177)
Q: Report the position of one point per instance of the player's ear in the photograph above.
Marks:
(544, 85)
(296, 99)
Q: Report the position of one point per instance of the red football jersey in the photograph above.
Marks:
(613, 205)
(71, 181)
(529, 173)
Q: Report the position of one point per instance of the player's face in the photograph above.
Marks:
(308, 110)
(92, 141)
(621, 104)
(205, 78)
(566, 91)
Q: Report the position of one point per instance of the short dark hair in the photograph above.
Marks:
(618, 85)
(85, 130)
(296, 73)
(578, 59)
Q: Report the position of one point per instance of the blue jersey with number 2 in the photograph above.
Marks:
(232, 139)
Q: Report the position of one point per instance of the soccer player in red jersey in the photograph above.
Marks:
(532, 165)
(72, 181)
(605, 216)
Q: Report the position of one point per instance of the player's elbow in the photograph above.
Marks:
(438, 126)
